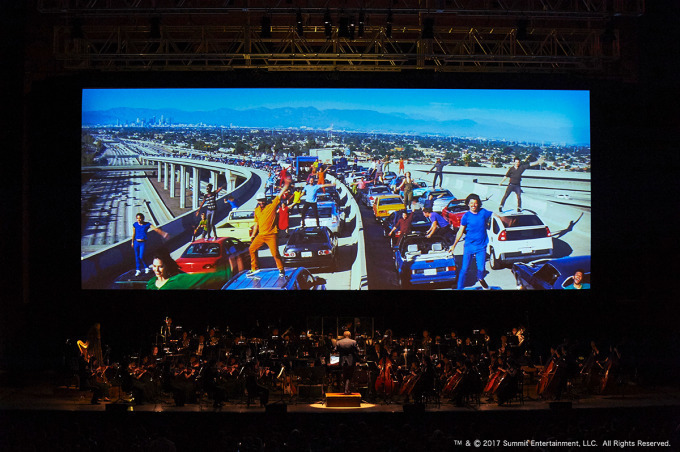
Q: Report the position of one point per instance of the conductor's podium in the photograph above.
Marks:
(340, 400)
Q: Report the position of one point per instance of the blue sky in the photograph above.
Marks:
(540, 109)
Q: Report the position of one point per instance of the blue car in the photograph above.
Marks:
(550, 273)
(268, 279)
(422, 261)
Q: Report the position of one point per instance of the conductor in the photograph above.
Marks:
(349, 355)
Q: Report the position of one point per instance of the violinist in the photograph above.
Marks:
(140, 382)
(183, 384)
(255, 390)
(211, 386)
(98, 383)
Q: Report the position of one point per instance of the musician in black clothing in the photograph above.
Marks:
(507, 389)
(349, 355)
(98, 382)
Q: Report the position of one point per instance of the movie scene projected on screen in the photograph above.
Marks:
(335, 189)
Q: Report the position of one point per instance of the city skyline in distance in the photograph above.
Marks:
(513, 115)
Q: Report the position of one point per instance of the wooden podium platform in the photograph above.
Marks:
(340, 400)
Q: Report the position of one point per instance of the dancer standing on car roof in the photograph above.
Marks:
(515, 175)
(438, 173)
(311, 196)
(473, 225)
(265, 231)
(210, 202)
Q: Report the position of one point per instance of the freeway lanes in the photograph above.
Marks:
(111, 200)
(570, 241)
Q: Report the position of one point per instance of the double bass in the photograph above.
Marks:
(610, 371)
(384, 383)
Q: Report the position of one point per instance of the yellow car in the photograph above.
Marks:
(383, 206)
(237, 225)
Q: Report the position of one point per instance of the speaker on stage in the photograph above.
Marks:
(560, 406)
(119, 407)
(276, 409)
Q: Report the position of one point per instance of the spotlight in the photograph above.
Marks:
(351, 27)
(298, 21)
(388, 25)
(428, 28)
(362, 18)
(266, 27)
(327, 24)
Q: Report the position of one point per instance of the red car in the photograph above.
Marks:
(205, 256)
(454, 211)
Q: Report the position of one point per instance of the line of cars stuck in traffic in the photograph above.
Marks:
(517, 238)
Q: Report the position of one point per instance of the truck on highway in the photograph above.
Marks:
(325, 156)
(303, 166)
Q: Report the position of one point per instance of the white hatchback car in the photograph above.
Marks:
(329, 216)
(517, 237)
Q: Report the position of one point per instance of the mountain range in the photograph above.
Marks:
(348, 120)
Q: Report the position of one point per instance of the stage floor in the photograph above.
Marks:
(41, 395)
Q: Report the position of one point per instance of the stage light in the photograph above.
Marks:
(298, 21)
(266, 27)
(362, 18)
(428, 28)
(388, 25)
(327, 24)
(352, 27)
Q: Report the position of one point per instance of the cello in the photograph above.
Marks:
(551, 377)
(452, 383)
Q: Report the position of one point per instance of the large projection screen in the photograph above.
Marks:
(154, 152)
